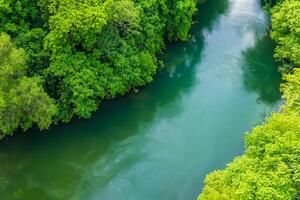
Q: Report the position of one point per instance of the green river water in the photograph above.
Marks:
(159, 144)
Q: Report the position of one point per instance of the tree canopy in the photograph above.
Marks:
(85, 51)
(23, 100)
(286, 33)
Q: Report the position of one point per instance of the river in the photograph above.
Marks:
(159, 144)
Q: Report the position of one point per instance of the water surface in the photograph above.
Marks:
(160, 143)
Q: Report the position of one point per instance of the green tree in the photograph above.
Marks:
(23, 101)
(291, 91)
(86, 51)
(269, 169)
(286, 32)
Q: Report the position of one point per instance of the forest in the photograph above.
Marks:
(270, 167)
(60, 59)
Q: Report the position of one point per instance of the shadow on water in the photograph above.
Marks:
(260, 72)
(49, 164)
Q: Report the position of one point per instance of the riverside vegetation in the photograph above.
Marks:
(270, 167)
(60, 58)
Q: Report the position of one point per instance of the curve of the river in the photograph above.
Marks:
(160, 143)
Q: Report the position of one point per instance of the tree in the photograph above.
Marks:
(86, 51)
(269, 169)
(23, 101)
(286, 31)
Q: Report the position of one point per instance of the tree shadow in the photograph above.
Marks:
(260, 71)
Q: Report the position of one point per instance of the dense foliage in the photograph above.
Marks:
(286, 33)
(22, 99)
(85, 51)
(270, 167)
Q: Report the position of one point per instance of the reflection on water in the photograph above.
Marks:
(259, 70)
(160, 143)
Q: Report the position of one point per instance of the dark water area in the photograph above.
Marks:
(159, 144)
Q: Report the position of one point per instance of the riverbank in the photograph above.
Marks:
(269, 169)
(66, 57)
